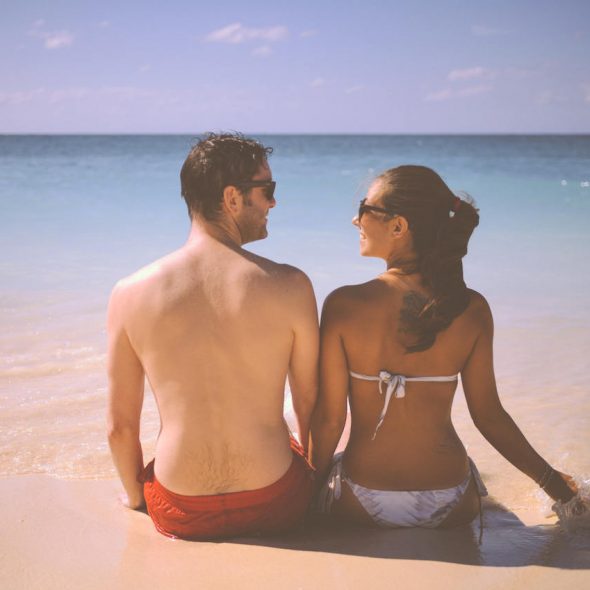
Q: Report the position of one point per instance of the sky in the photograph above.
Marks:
(385, 66)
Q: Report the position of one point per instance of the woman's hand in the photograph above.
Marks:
(561, 486)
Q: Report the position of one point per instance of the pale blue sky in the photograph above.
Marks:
(429, 66)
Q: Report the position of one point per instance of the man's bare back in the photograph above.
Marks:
(216, 330)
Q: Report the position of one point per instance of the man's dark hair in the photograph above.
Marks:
(217, 161)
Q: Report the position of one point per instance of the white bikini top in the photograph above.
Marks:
(396, 385)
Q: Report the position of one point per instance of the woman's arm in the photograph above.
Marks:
(329, 416)
(494, 422)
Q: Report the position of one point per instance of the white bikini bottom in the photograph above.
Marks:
(422, 508)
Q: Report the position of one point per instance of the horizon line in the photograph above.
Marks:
(291, 133)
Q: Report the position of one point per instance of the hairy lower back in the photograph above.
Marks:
(203, 459)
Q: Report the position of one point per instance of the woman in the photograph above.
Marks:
(394, 347)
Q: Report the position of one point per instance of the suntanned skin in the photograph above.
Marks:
(216, 330)
(416, 447)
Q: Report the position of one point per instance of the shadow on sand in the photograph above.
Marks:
(506, 542)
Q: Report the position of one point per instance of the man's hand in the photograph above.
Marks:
(135, 504)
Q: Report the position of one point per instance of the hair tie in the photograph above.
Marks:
(456, 204)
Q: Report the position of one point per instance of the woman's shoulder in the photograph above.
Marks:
(478, 309)
(352, 294)
(346, 301)
(477, 300)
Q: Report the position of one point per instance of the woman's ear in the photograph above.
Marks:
(399, 226)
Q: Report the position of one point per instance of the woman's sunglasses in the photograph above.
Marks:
(268, 186)
(363, 208)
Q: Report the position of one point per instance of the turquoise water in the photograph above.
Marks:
(79, 212)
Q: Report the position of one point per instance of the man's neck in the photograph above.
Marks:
(218, 231)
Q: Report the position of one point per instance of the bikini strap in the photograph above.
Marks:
(395, 385)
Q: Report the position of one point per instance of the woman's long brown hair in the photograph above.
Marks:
(441, 226)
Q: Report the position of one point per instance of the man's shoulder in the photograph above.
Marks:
(138, 277)
(291, 273)
(280, 284)
(148, 274)
(278, 271)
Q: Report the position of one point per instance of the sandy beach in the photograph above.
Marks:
(75, 534)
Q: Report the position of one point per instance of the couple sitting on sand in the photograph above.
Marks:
(217, 330)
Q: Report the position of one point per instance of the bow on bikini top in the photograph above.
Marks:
(395, 385)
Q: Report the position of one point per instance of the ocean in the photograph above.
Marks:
(80, 212)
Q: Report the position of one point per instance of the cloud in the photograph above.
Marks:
(486, 31)
(453, 93)
(51, 39)
(58, 39)
(472, 91)
(309, 33)
(103, 24)
(262, 51)
(238, 33)
(65, 94)
(145, 68)
(439, 95)
(470, 74)
(317, 82)
(463, 75)
(20, 96)
(456, 90)
(353, 89)
(125, 92)
(76, 93)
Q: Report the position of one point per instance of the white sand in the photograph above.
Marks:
(74, 534)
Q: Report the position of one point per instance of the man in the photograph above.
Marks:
(216, 330)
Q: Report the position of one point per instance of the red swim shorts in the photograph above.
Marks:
(275, 508)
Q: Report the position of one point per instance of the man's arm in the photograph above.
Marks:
(303, 364)
(329, 416)
(126, 386)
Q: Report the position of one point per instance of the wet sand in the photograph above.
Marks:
(74, 534)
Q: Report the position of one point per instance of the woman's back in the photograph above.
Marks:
(393, 348)
(416, 446)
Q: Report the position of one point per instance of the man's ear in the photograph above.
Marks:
(232, 199)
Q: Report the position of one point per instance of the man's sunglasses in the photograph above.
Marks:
(363, 208)
(268, 186)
